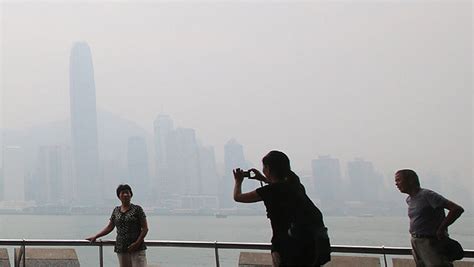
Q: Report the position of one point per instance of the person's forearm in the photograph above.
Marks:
(142, 235)
(237, 190)
(104, 231)
(452, 216)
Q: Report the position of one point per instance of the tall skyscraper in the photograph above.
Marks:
(51, 182)
(209, 178)
(13, 174)
(113, 173)
(163, 127)
(365, 183)
(233, 158)
(138, 172)
(185, 169)
(326, 178)
(84, 126)
(2, 184)
(184, 162)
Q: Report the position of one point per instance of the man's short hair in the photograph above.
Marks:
(124, 187)
(410, 175)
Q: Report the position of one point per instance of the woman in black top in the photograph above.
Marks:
(295, 220)
(132, 228)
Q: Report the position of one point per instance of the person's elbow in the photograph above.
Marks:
(460, 210)
(144, 228)
(249, 197)
(242, 198)
(109, 228)
(238, 198)
(456, 209)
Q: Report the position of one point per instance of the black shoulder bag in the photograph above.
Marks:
(452, 249)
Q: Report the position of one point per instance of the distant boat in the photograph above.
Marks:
(220, 215)
(367, 215)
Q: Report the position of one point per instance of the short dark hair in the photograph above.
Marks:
(124, 187)
(410, 175)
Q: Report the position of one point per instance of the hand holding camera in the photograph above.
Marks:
(256, 175)
(240, 174)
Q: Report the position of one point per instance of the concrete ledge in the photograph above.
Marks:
(51, 257)
(464, 264)
(354, 261)
(398, 262)
(255, 259)
(4, 259)
(403, 262)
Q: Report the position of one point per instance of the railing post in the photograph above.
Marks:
(384, 256)
(23, 247)
(216, 252)
(101, 254)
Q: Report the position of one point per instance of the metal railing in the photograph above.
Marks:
(23, 243)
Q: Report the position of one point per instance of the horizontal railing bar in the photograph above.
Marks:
(211, 244)
(372, 250)
(46, 242)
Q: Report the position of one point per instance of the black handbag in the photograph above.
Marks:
(452, 249)
(318, 235)
(323, 246)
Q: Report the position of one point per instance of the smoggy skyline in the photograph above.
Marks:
(389, 82)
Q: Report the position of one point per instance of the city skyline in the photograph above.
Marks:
(347, 189)
(346, 180)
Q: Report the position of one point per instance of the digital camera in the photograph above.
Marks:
(247, 174)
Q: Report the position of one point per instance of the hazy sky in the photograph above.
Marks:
(388, 81)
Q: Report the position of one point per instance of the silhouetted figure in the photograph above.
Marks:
(132, 228)
(428, 223)
(299, 235)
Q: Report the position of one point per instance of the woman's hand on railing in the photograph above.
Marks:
(92, 239)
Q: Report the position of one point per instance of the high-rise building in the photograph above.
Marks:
(184, 168)
(138, 172)
(233, 158)
(183, 162)
(163, 127)
(51, 182)
(113, 173)
(365, 182)
(326, 179)
(209, 178)
(2, 184)
(13, 174)
(84, 126)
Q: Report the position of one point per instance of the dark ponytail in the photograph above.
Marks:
(292, 177)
